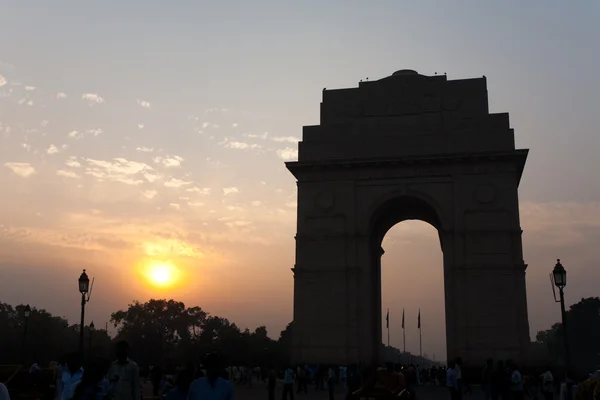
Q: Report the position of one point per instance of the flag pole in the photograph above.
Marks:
(403, 334)
(420, 337)
(388, 326)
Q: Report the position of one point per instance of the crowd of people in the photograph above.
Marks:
(122, 380)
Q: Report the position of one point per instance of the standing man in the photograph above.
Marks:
(124, 375)
(156, 376)
(487, 377)
(271, 383)
(69, 377)
(212, 386)
(288, 383)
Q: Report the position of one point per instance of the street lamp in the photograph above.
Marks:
(559, 279)
(26, 314)
(92, 329)
(86, 293)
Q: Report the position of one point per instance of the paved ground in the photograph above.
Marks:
(259, 392)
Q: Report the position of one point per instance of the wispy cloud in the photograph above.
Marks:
(94, 132)
(257, 136)
(143, 103)
(242, 146)
(72, 162)
(149, 194)
(29, 88)
(61, 95)
(169, 161)
(199, 190)
(3, 80)
(75, 134)
(118, 170)
(52, 149)
(24, 170)
(93, 98)
(67, 174)
(287, 154)
(286, 139)
(176, 183)
(230, 190)
(144, 149)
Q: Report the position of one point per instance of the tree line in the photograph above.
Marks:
(583, 331)
(159, 332)
(168, 332)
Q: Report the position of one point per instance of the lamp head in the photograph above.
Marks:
(84, 283)
(559, 275)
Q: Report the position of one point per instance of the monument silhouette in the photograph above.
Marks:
(407, 147)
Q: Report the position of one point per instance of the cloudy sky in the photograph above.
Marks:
(136, 134)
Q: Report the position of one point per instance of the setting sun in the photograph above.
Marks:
(161, 274)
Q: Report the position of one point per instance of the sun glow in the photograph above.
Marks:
(161, 274)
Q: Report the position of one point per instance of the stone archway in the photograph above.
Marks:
(408, 147)
(390, 212)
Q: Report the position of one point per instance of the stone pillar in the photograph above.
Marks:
(489, 306)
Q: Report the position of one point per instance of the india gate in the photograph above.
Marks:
(408, 147)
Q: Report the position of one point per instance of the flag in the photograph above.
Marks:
(419, 319)
(387, 319)
(403, 318)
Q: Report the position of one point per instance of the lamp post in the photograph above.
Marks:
(92, 329)
(26, 314)
(559, 278)
(86, 292)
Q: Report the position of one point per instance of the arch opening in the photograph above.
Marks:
(412, 280)
(403, 230)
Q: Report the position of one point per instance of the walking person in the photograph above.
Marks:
(182, 386)
(487, 377)
(212, 386)
(302, 375)
(156, 376)
(92, 385)
(331, 383)
(272, 383)
(288, 384)
(451, 383)
(69, 377)
(517, 390)
(124, 375)
(500, 382)
(547, 384)
(459, 378)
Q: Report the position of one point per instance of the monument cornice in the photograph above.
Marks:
(516, 158)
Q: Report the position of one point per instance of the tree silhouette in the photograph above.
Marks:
(583, 324)
(165, 331)
(46, 338)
